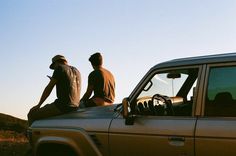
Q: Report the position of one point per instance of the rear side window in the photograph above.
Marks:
(221, 92)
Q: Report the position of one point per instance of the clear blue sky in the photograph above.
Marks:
(132, 35)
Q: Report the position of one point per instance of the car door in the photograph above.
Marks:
(154, 130)
(216, 127)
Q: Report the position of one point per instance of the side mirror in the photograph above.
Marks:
(129, 118)
(125, 105)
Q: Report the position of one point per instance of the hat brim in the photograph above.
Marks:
(52, 65)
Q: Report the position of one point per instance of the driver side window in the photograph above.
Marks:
(169, 93)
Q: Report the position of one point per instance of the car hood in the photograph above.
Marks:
(92, 118)
(90, 112)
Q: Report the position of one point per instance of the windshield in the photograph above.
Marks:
(178, 86)
(171, 84)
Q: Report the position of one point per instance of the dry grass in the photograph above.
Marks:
(13, 144)
(14, 148)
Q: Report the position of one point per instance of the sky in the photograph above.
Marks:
(132, 36)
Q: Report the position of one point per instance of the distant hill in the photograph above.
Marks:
(10, 123)
(13, 141)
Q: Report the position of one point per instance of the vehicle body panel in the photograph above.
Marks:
(152, 135)
(84, 131)
(215, 136)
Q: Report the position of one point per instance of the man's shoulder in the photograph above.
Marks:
(67, 69)
(100, 72)
(107, 72)
(74, 68)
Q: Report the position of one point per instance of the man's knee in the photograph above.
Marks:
(30, 114)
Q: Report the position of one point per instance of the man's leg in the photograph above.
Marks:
(44, 112)
(90, 103)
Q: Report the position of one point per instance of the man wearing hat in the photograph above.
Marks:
(67, 80)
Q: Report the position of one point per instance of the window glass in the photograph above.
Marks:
(221, 92)
(173, 90)
(165, 86)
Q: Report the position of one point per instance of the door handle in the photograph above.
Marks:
(176, 141)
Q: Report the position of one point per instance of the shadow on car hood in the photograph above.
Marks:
(91, 112)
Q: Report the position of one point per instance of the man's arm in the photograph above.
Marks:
(47, 91)
(88, 93)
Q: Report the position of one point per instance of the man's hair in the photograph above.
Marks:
(96, 59)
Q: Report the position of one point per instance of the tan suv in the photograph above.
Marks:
(183, 107)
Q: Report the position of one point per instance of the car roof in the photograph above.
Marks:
(207, 59)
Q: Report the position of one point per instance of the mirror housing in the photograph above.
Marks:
(125, 104)
(129, 118)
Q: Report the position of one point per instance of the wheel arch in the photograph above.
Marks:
(75, 140)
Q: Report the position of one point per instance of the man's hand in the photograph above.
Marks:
(34, 108)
